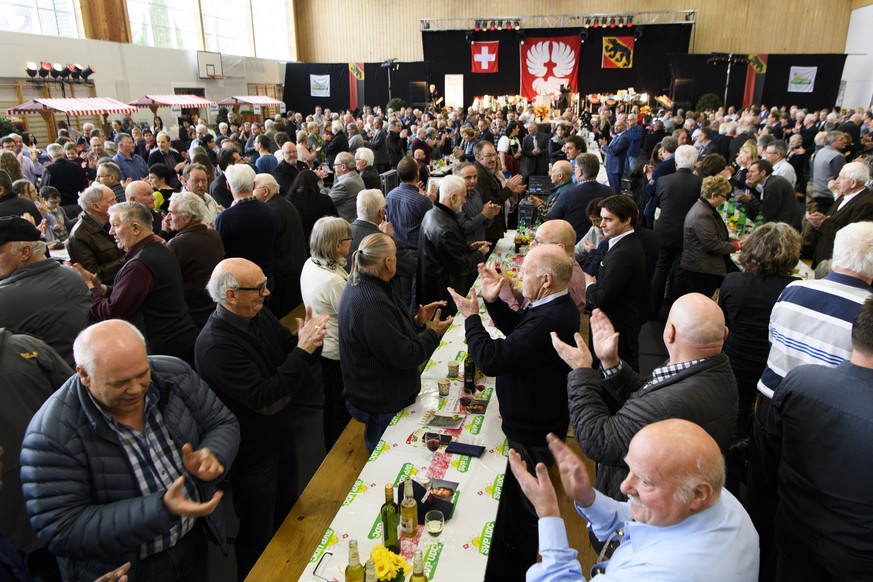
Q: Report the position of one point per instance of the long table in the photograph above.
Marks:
(346, 503)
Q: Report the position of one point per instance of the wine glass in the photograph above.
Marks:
(434, 521)
(432, 441)
(465, 399)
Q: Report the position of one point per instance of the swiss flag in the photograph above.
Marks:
(485, 56)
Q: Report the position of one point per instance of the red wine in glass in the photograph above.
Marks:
(466, 399)
(433, 444)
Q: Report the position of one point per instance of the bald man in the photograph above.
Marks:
(561, 175)
(142, 192)
(531, 383)
(696, 384)
(679, 522)
(121, 463)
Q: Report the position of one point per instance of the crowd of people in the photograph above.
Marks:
(152, 371)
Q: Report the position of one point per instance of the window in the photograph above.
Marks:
(164, 23)
(226, 26)
(271, 29)
(47, 17)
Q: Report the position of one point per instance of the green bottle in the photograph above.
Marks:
(741, 220)
(469, 374)
(732, 207)
(759, 220)
(390, 521)
(355, 570)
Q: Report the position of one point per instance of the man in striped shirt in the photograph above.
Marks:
(811, 323)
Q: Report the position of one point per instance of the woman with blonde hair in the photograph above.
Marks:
(747, 154)
(322, 283)
(304, 153)
(706, 245)
(768, 259)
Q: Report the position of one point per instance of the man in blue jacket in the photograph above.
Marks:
(121, 462)
(616, 155)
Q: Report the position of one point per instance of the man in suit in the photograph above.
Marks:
(484, 125)
(616, 155)
(666, 151)
(364, 164)
(494, 188)
(218, 189)
(346, 185)
(396, 143)
(620, 287)
(338, 143)
(572, 204)
(707, 145)
(288, 169)
(534, 153)
(826, 166)
(379, 146)
(854, 204)
(674, 195)
(776, 200)
(852, 127)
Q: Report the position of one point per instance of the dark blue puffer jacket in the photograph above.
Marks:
(79, 487)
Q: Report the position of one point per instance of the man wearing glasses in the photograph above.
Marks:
(346, 186)
(494, 188)
(256, 365)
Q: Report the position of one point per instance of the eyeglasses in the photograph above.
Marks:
(261, 289)
(345, 239)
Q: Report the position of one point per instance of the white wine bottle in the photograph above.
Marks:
(370, 569)
(418, 568)
(355, 570)
(390, 521)
(408, 512)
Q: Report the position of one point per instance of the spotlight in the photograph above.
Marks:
(630, 21)
(87, 72)
(612, 23)
(620, 22)
(596, 23)
(583, 34)
(587, 23)
(73, 71)
(493, 25)
(521, 37)
(638, 34)
(44, 68)
(31, 69)
(65, 72)
(508, 25)
(56, 70)
(499, 25)
(478, 26)
(468, 36)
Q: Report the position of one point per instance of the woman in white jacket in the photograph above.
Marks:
(322, 283)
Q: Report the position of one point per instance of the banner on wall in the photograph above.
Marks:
(618, 52)
(356, 85)
(319, 85)
(484, 56)
(801, 79)
(549, 63)
(756, 72)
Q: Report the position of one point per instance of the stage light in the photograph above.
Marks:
(56, 70)
(31, 69)
(493, 25)
(521, 37)
(583, 34)
(508, 25)
(468, 37)
(587, 23)
(44, 68)
(612, 23)
(65, 72)
(87, 72)
(630, 21)
(638, 34)
(478, 26)
(620, 23)
(73, 71)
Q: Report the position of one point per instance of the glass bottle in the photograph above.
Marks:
(418, 568)
(408, 512)
(370, 571)
(355, 570)
(390, 521)
(469, 374)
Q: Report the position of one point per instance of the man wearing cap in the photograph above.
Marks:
(38, 295)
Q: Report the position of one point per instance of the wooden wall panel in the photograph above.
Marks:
(106, 20)
(375, 30)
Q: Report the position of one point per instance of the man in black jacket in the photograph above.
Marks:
(256, 365)
(530, 385)
(64, 175)
(776, 201)
(608, 406)
(396, 142)
(674, 195)
(364, 166)
(288, 169)
(219, 190)
(444, 257)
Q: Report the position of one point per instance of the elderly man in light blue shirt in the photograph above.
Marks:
(678, 523)
(133, 167)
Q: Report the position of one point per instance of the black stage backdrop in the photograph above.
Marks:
(827, 80)
(298, 96)
(376, 81)
(711, 79)
(449, 53)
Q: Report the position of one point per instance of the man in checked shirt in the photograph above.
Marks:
(121, 463)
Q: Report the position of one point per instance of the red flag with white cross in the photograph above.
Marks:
(485, 56)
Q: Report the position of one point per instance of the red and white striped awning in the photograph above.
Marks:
(184, 101)
(73, 106)
(261, 100)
